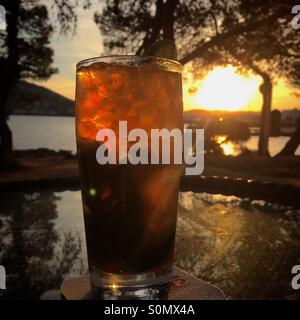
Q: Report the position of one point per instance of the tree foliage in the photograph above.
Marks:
(25, 51)
(207, 32)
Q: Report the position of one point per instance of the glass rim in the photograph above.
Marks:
(127, 58)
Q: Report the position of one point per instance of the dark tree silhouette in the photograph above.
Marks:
(256, 35)
(293, 143)
(25, 51)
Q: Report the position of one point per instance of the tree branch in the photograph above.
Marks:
(152, 34)
(215, 22)
(238, 30)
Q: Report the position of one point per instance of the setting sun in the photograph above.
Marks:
(223, 89)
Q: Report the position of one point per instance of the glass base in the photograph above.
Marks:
(145, 286)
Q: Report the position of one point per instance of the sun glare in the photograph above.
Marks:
(228, 148)
(224, 89)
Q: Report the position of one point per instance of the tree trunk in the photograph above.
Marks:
(266, 90)
(6, 143)
(162, 22)
(169, 19)
(10, 71)
(6, 138)
(292, 145)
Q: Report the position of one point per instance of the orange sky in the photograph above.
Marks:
(223, 88)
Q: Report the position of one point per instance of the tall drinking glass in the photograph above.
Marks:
(130, 210)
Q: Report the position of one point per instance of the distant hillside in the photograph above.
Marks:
(249, 117)
(289, 117)
(31, 99)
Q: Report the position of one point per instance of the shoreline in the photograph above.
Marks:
(252, 134)
(241, 176)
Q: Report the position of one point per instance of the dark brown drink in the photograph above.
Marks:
(129, 210)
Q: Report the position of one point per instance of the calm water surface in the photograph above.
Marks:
(32, 132)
